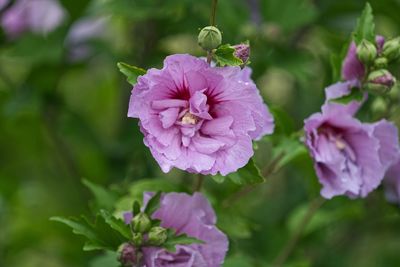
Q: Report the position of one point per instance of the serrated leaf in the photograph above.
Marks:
(248, 175)
(355, 95)
(104, 198)
(225, 56)
(365, 28)
(116, 224)
(131, 72)
(153, 204)
(100, 235)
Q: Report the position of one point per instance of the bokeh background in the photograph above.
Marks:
(63, 108)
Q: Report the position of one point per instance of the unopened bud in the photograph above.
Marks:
(391, 49)
(209, 38)
(127, 255)
(137, 239)
(366, 52)
(141, 223)
(242, 51)
(380, 82)
(381, 62)
(157, 236)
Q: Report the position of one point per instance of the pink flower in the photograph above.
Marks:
(38, 16)
(191, 215)
(392, 183)
(350, 157)
(199, 118)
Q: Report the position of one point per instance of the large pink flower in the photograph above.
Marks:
(199, 118)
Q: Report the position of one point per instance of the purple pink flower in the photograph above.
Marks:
(392, 183)
(350, 157)
(37, 16)
(191, 215)
(199, 118)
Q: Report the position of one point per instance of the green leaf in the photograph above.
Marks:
(365, 28)
(153, 204)
(108, 259)
(248, 175)
(104, 198)
(136, 207)
(131, 72)
(224, 56)
(355, 95)
(182, 239)
(100, 235)
(290, 148)
(116, 224)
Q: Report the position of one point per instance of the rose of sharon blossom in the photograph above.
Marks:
(199, 118)
(193, 216)
(352, 67)
(392, 183)
(38, 16)
(350, 157)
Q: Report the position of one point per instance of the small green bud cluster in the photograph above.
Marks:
(144, 233)
(379, 79)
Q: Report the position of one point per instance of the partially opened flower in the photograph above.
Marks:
(199, 118)
(191, 215)
(352, 67)
(350, 157)
(392, 183)
(37, 16)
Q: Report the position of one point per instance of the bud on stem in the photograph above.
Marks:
(380, 82)
(366, 52)
(209, 38)
(391, 49)
(141, 223)
(157, 236)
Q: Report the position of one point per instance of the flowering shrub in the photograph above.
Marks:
(232, 154)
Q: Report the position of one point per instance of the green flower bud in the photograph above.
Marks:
(366, 52)
(380, 82)
(157, 236)
(381, 62)
(391, 49)
(141, 223)
(209, 38)
(137, 239)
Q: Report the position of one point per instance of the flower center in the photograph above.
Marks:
(190, 119)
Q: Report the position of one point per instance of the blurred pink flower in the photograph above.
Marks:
(191, 215)
(37, 16)
(199, 118)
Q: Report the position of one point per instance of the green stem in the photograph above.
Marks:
(199, 183)
(213, 11)
(294, 239)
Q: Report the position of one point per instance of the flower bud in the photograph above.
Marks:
(366, 52)
(127, 255)
(157, 236)
(137, 239)
(381, 62)
(242, 51)
(380, 81)
(209, 38)
(391, 49)
(141, 223)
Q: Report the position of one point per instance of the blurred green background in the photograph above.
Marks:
(64, 119)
